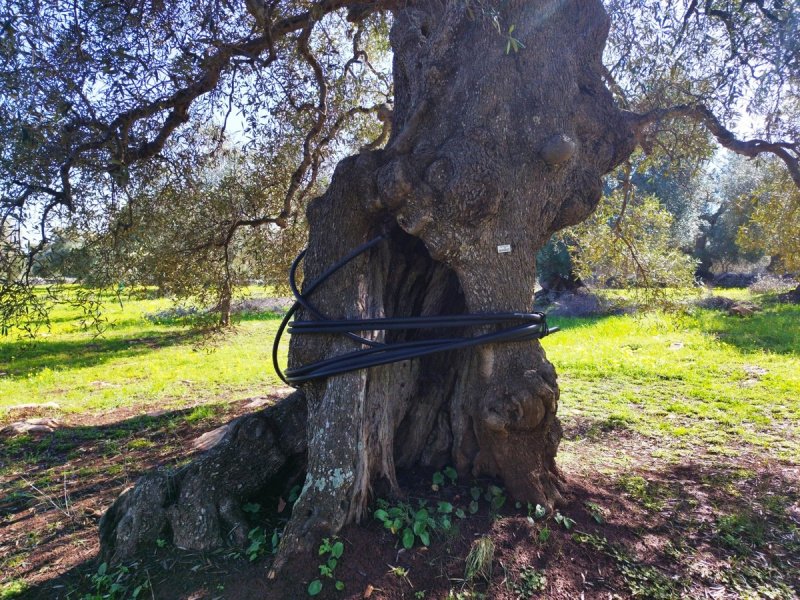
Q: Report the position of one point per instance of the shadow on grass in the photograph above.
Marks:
(775, 329)
(23, 357)
(96, 456)
(718, 527)
(55, 489)
(736, 518)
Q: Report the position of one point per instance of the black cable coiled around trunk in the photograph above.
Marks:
(521, 326)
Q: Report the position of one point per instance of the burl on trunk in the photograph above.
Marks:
(489, 147)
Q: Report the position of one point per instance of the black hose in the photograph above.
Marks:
(522, 327)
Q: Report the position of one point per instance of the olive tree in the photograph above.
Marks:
(774, 224)
(198, 234)
(504, 117)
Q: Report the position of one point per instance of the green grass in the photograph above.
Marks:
(12, 589)
(707, 378)
(680, 386)
(135, 363)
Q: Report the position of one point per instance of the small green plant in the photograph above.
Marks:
(400, 572)
(537, 512)
(475, 492)
(643, 581)
(596, 512)
(465, 595)
(597, 542)
(445, 510)
(441, 477)
(140, 444)
(512, 43)
(741, 532)
(251, 508)
(259, 544)
(332, 550)
(117, 583)
(410, 525)
(202, 413)
(650, 495)
(416, 525)
(564, 521)
(496, 498)
(530, 582)
(294, 494)
(480, 560)
(544, 535)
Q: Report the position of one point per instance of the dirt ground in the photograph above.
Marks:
(708, 526)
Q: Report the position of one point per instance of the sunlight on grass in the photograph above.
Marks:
(683, 380)
(134, 363)
(706, 378)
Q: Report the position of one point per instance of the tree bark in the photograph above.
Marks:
(489, 147)
(199, 505)
(224, 305)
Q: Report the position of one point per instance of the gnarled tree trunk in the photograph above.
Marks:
(489, 147)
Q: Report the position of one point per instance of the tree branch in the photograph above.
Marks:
(627, 188)
(322, 115)
(788, 152)
(764, 10)
(177, 104)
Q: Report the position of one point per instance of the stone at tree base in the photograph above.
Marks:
(211, 438)
(743, 309)
(259, 402)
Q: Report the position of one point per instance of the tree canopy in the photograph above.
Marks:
(93, 91)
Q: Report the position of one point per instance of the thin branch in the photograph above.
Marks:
(322, 116)
(764, 10)
(640, 269)
(788, 152)
(177, 104)
(691, 10)
(615, 87)
(627, 189)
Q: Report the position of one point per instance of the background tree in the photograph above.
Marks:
(723, 214)
(630, 248)
(200, 234)
(502, 127)
(92, 92)
(640, 236)
(774, 225)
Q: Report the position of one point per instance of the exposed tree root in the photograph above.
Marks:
(199, 505)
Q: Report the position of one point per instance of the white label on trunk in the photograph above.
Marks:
(504, 248)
